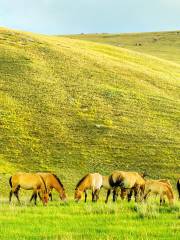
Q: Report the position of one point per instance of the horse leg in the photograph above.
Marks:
(108, 193)
(161, 200)
(50, 196)
(136, 193)
(10, 196)
(35, 198)
(123, 193)
(145, 197)
(31, 197)
(14, 190)
(16, 193)
(129, 196)
(85, 195)
(115, 194)
(97, 191)
(93, 196)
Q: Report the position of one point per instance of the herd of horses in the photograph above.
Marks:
(120, 183)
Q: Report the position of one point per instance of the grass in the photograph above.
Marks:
(119, 220)
(165, 45)
(72, 107)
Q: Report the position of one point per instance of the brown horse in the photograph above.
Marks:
(110, 189)
(91, 181)
(52, 181)
(157, 187)
(130, 181)
(28, 181)
(178, 187)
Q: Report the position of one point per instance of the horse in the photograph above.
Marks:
(52, 181)
(28, 181)
(158, 188)
(109, 188)
(91, 181)
(178, 187)
(129, 181)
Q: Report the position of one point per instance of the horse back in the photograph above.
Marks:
(26, 180)
(96, 180)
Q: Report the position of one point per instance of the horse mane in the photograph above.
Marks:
(44, 183)
(81, 180)
(58, 180)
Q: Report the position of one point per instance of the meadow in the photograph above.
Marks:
(120, 220)
(72, 107)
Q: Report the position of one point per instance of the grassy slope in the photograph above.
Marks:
(161, 44)
(74, 107)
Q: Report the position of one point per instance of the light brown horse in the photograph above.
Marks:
(110, 189)
(28, 181)
(178, 187)
(91, 181)
(52, 181)
(131, 181)
(157, 187)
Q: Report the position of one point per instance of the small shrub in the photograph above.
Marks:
(147, 210)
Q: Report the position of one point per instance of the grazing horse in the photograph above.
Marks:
(131, 181)
(178, 187)
(91, 181)
(52, 181)
(158, 188)
(168, 183)
(109, 188)
(28, 181)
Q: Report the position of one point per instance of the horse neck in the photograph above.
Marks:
(57, 185)
(85, 184)
(43, 184)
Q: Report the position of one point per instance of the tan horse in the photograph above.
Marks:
(52, 181)
(110, 189)
(28, 181)
(91, 181)
(157, 187)
(131, 181)
(178, 187)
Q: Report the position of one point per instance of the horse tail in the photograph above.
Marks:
(111, 181)
(178, 187)
(10, 181)
(44, 183)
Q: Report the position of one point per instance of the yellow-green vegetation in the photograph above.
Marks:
(161, 44)
(110, 221)
(73, 107)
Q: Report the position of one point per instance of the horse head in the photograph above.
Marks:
(77, 195)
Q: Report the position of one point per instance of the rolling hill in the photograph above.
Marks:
(73, 106)
(160, 44)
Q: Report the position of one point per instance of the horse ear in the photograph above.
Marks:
(144, 174)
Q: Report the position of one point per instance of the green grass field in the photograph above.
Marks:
(72, 107)
(119, 220)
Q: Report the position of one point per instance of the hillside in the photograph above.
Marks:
(160, 44)
(73, 107)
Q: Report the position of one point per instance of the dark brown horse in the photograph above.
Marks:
(28, 181)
